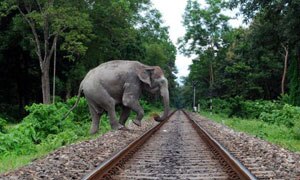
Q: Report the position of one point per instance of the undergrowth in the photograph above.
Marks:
(275, 133)
(43, 131)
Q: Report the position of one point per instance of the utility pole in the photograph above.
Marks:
(194, 83)
(194, 99)
(211, 72)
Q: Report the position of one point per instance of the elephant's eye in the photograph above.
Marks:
(162, 81)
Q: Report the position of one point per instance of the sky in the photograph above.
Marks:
(172, 12)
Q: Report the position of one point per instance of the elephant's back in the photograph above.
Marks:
(110, 76)
(118, 64)
(113, 72)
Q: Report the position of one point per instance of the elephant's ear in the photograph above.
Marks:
(144, 75)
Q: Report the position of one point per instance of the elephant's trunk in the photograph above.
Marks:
(165, 95)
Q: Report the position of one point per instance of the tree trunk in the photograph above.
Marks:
(68, 89)
(54, 73)
(298, 77)
(285, 68)
(44, 54)
(21, 86)
(46, 85)
(298, 54)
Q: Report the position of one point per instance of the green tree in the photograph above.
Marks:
(49, 20)
(131, 30)
(159, 50)
(205, 27)
(281, 20)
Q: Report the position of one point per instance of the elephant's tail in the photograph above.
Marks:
(76, 103)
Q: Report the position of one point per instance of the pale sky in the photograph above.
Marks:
(172, 12)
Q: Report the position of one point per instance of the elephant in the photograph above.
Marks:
(121, 82)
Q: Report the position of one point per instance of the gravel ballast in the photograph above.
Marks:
(263, 159)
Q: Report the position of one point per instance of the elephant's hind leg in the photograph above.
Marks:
(101, 98)
(96, 114)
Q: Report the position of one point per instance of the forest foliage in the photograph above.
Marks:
(272, 113)
(257, 61)
(249, 72)
(81, 35)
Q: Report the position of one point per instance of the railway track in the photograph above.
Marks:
(177, 148)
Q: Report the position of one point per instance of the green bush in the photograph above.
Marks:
(204, 104)
(47, 119)
(289, 115)
(148, 107)
(253, 109)
(45, 127)
(239, 107)
(19, 140)
(220, 106)
(44, 130)
(81, 112)
(274, 113)
(296, 129)
(236, 107)
(230, 107)
(3, 123)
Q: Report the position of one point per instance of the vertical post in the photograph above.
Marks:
(211, 107)
(211, 72)
(54, 72)
(194, 99)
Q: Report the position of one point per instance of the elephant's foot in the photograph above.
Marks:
(157, 119)
(117, 127)
(93, 131)
(124, 129)
(137, 122)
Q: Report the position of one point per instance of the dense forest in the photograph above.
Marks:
(47, 47)
(247, 78)
(40, 40)
(260, 61)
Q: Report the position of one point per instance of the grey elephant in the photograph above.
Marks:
(121, 82)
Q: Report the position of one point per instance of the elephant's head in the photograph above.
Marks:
(155, 81)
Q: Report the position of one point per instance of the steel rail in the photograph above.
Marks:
(234, 163)
(108, 168)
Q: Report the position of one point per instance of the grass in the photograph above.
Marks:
(279, 135)
(12, 161)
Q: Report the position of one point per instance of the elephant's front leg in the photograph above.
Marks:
(124, 115)
(130, 100)
(139, 112)
(113, 119)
